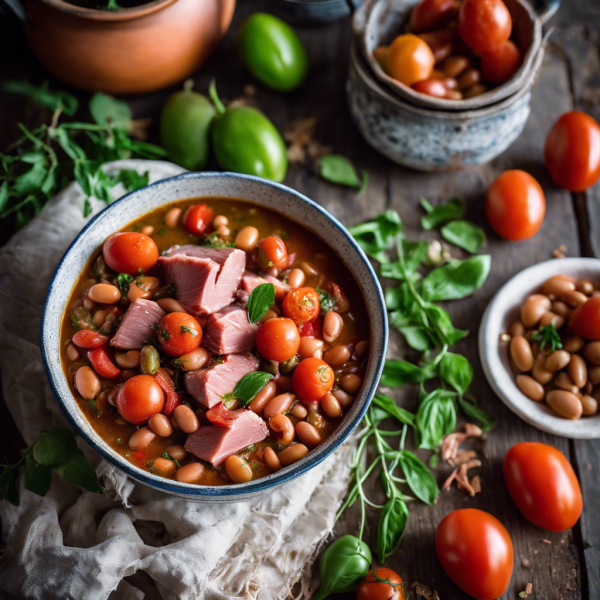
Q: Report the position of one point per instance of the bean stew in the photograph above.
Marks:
(214, 342)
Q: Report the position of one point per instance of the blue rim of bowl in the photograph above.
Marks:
(288, 473)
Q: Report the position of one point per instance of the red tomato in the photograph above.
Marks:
(440, 42)
(102, 364)
(139, 398)
(272, 253)
(484, 24)
(312, 328)
(222, 416)
(199, 218)
(301, 305)
(431, 87)
(173, 399)
(312, 379)
(543, 485)
(515, 205)
(572, 151)
(429, 14)
(278, 339)
(380, 584)
(500, 64)
(86, 338)
(409, 59)
(179, 333)
(585, 320)
(341, 302)
(129, 252)
(476, 552)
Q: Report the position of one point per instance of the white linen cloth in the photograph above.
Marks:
(74, 544)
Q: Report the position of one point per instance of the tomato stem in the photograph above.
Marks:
(212, 92)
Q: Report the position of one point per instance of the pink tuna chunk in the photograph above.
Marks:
(229, 331)
(207, 386)
(251, 280)
(205, 279)
(138, 324)
(215, 444)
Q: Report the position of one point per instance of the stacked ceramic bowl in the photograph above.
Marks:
(428, 133)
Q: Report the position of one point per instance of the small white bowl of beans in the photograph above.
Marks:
(543, 371)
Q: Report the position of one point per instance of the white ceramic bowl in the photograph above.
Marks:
(265, 193)
(502, 311)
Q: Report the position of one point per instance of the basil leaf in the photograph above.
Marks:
(417, 337)
(399, 372)
(457, 279)
(390, 528)
(248, 386)
(436, 417)
(472, 411)
(378, 236)
(42, 95)
(106, 110)
(393, 410)
(440, 319)
(456, 371)
(419, 478)
(77, 469)
(37, 478)
(465, 235)
(338, 169)
(453, 209)
(260, 301)
(49, 449)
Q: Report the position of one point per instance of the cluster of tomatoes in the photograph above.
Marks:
(515, 204)
(474, 547)
(455, 49)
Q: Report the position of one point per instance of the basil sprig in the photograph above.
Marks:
(453, 209)
(260, 301)
(465, 235)
(248, 386)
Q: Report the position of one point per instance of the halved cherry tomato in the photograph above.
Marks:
(102, 364)
(272, 252)
(515, 205)
(484, 24)
(476, 552)
(431, 87)
(130, 252)
(312, 379)
(585, 320)
(301, 305)
(199, 218)
(278, 339)
(114, 309)
(500, 64)
(341, 302)
(429, 14)
(312, 328)
(179, 333)
(139, 398)
(543, 485)
(173, 399)
(86, 338)
(572, 151)
(380, 584)
(222, 416)
(409, 59)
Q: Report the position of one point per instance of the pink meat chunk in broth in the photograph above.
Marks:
(205, 279)
(138, 325)
(228, 331)
(252, 280)
(207, 386)
(215, 444)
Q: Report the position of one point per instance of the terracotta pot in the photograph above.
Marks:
(129, 51)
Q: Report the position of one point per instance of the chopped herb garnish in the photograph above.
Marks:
(165, 335)
(75, 323)
(169, 457)
(92, 404)
(170, 289)
(136, 227)
(176, 362)
(186, 329)
(328, 302)
(548, 338)
(123, 281)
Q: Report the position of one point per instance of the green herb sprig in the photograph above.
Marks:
(548, 338)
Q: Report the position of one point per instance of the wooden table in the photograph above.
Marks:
(562, 566)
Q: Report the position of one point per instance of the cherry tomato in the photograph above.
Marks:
(484, 24)
(312, 328)
(543, 485)
(572, 151)
(301, 305)
(129, 252)
(199, 218)
(86, 338)
(409, 59)
(139, 398)
(585, 320)
(278, 339)
(272, 253)
(340, 300)
(312, 379)
(380, 584)
(500, 64)
(429, 14)
(102, 364)
(431, 87)
(173, 399)
(515, 205)
(179, 333)
(476, 552)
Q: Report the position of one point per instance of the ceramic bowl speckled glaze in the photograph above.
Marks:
(433, 140)
(502, 311)
(378, 22)
(265, 193)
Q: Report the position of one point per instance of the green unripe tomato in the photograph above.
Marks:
(185, 125)
(272, 52)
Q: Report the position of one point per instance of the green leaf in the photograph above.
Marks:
(169, 457)
(436, 417)
(37, 478)
(398, 298)
(260, 301)
(440, 320)
(379, 235)
(49, 449)
(393, 410)
(486, 421)
(248, 386)
(31, 180)
(453, 209)
(123, 281)
(419, 478)
(456, 371)
(106, 110)
(548, 338)
(338, 169)
(416, 336)
(42, 95)
(457, 279)
(399, 372)
(3, 195)
(392, 522)
(465, 235)
(131, 179)
(77, 469)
